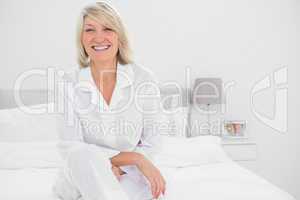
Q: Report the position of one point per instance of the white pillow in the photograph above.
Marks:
(18, 126)
(184, 152)
(20, 155)
(174, 122)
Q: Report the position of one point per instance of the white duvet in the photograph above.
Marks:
(220, 181)
(194, 169)
(223, 181)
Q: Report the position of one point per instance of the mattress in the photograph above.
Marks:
(211, 182)
(222, 181)
(27, 184)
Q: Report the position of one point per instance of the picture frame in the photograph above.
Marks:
(234, 129)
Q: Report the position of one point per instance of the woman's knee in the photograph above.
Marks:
(86, 153)
(78, 155)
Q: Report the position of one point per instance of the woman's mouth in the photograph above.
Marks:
(101, 48)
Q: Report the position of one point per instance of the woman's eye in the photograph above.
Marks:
(89, 30)
(107, 29)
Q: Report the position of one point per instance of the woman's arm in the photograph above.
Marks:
(126, 158)
(152, 174)
(150, 141)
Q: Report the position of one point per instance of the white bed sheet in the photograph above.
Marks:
(220, 181)
(27, 184)
(223, 181)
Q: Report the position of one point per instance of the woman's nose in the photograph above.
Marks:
(100, 35)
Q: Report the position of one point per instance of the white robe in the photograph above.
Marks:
(92, 132)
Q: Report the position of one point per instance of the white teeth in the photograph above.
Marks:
(101, 48)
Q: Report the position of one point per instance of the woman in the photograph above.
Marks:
(106, 93)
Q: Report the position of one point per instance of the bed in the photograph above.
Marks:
(211, 182)
(200, 169)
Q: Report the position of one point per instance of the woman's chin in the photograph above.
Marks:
(103, 59)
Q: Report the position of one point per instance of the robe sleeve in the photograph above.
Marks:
(150, 141)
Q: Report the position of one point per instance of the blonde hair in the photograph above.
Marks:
(105, 14)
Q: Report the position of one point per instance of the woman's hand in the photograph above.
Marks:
(117, 171)
(145, 166)
(153, 175)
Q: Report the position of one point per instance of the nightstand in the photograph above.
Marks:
(241, 150)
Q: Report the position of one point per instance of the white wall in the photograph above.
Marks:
(240, 41)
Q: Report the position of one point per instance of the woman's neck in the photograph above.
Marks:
(104, 71)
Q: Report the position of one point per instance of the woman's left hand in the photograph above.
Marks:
(153, 175)
(117, 171)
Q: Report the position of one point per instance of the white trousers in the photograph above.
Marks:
(87, 175)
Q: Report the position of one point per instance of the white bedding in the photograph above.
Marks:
(29, 161)
(220, 181)
(27, 184)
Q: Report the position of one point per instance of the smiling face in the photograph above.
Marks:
(99, 42)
